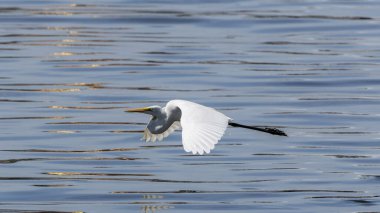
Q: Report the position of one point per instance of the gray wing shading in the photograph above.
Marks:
(150, 137)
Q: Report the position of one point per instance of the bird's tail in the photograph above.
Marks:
(273, 131)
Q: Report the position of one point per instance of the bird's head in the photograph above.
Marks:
(151, 110)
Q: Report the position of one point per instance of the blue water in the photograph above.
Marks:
(69, 70)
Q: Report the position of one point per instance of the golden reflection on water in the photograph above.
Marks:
(90, 85)
(52, 90)
(69, 40)
(60, 90)
(152, 209)
(63, 54)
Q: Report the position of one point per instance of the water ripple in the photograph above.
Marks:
(69, 70)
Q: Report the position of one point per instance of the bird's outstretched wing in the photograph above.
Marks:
(148, 136)
(202, 127)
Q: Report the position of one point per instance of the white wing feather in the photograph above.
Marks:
(202, 127)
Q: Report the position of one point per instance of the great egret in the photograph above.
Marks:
(202, 127)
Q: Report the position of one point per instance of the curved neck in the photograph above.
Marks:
(161, 121)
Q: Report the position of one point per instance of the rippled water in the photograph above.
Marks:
(70, 68)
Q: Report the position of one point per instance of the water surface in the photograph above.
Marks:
(69, 69)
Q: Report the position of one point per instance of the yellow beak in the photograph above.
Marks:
(143, 109)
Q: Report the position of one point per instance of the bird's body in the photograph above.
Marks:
(202, 127)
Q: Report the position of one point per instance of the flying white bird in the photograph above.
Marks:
(202, 127)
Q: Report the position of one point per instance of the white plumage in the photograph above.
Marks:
(202, 127)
